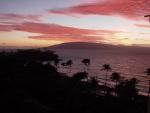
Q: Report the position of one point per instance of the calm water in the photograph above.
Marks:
(128, 63)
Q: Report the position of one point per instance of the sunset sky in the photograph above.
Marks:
(39, 23)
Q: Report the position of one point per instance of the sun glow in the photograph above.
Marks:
(20, 39)
(74, 21)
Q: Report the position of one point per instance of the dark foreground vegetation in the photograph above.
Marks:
(30, 83)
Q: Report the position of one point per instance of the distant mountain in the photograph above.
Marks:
(100, 46)
(84, 45)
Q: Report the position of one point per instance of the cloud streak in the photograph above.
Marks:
(132, 9)
(58, 32)
(11, 18)
(142, 26)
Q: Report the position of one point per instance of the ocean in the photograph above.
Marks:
(128, 63)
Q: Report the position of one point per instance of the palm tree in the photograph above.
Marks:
(115, 77)
(56, 62)
(94, 81)
(86, 62)
(63, 64)
(127, 89)
(149, 88)
(69, 63)
(148, 73)
(148, 108)
(80, 76)
(107, 68)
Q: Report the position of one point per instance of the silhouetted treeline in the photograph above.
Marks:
(31, 84)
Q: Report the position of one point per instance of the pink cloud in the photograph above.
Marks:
(50, 29)
(8, 18)
(67, 38)
(6, 28)
(133, 9)
(58, 32)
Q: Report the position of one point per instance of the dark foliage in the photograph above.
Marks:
(30, 86)
(86, 61)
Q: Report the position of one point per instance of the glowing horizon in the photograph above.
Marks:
(37, 24)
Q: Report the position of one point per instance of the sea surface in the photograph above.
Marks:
(128, 63)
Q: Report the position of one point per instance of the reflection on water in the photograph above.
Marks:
(127, 63)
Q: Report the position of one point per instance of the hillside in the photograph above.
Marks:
(84, 45)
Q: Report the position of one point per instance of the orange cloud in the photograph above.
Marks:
(133, 9)
(58, 32)
(68, 38)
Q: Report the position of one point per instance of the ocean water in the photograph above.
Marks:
(128, 63)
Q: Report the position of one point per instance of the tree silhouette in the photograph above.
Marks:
(69, 63)
(115, 77)
(29, 85)
(56, 62)
(149, 89)
(94, 82)
(127, 90)
(148, 73)
(107, 68)
(86, 62)
(63, 64)
(80, 76)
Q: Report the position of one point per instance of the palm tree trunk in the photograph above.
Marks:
(148, 104)
(115, 88)
(106, 78)
(69, 70)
